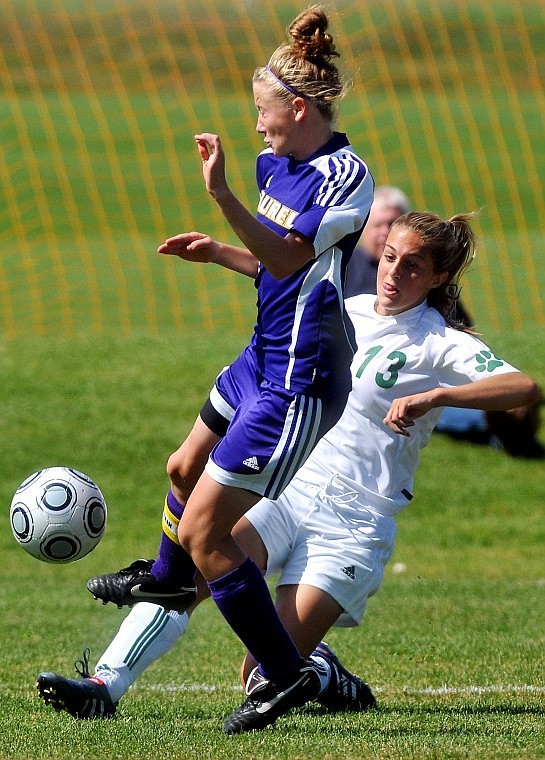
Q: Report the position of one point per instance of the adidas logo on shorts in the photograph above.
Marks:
(251, 462)
(350, 571)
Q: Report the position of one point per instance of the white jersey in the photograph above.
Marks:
(396, 356)
(334, 526)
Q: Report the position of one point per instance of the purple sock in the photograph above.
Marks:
(243, 599)
(173, 563)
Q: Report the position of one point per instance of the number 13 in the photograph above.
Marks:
(389, 378)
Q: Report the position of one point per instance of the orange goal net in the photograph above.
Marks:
(100, 101)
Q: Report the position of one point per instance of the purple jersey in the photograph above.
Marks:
(303, 340)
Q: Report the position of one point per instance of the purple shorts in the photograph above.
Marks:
(270, 431)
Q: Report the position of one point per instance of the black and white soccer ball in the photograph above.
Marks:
(58, 515)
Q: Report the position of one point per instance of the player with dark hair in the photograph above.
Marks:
(513, 430)
(268, 409)
(332, 531)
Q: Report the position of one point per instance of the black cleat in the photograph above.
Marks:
(266, 701)
(87, 698)
(345, 691)
(136, 584)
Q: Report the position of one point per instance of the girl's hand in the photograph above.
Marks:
(213, 163)
(191, 246)
(403, 412)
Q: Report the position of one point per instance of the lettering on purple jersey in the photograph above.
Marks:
(277, 212)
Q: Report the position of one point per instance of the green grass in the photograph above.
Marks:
(453, 645)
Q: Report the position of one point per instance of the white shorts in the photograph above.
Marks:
(327, 538)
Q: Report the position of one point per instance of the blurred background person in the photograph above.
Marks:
(388, 204)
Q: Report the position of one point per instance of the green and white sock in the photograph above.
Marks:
(146, 634)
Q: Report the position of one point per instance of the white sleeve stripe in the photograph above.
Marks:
(334, 187)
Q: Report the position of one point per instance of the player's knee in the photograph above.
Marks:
(198, 535)
(175, 469)
(183, 471)
(189, 538)
(183, 537)
(186, 464)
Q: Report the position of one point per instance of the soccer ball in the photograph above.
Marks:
(58, 515)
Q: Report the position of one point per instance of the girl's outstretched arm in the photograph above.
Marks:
(196, 246)
(507, 391)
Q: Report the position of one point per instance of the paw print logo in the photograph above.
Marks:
(487, 362)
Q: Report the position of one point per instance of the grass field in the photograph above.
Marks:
(453, 645)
